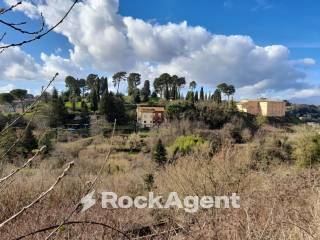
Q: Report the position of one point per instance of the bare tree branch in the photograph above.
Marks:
(14, 27)
(3, 11)
(41, 196)
(40, 35)
(35, 103)
(92, 185)
(19, 138)
(2, 37)
(14, 172)
(73, 223)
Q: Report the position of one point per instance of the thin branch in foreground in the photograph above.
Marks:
(35, 103)
(73, 223)
(2, 37)
(3, 11)
(15, 28)
(14, 172)
(40, 197)
(92, 185)
(19, 138)
(39, 36)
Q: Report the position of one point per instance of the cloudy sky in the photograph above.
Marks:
(266, 48)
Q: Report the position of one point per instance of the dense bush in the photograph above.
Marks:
(213, 114)
(307, 149)
(269, 150)
(179, 110)
(240, 128)
(46, 140)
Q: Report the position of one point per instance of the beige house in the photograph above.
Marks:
(148, 116)
(263, 107)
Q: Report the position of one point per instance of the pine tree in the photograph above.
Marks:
(201, 94)
(160, 154)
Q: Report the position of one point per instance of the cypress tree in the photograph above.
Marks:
(54, 94)
(58, 112)
(94, 100)
(196, 97)
(201, 94)
(160, 154)
(145, 91)
(84, 113)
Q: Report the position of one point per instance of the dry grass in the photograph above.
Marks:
(279, 203)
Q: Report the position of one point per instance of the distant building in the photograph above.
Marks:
(263, 107)
(148, 116)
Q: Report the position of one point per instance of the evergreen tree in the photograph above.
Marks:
(84, 113)
(196, 97)
(217, 96)
(104, 85)
(134, 80)
(118, 78)
(94, 100)
(112, 107)
(28, 141)
(136, 96)
(45, 140)
(160, 153)
(145, 91)
(154, 94)
(54, 95)
(201, 94)
(166, 94)
(58, 112)
(190, 96)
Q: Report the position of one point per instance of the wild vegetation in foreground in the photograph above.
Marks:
(273, 169)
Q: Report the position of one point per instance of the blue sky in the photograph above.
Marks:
(292, 24)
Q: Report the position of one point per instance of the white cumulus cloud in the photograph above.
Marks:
(106, 41)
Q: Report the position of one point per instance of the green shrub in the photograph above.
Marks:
(7, 140)
(185, 144)
(307, 149)
(46, 140)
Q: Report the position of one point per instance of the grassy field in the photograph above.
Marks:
(279, 196)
